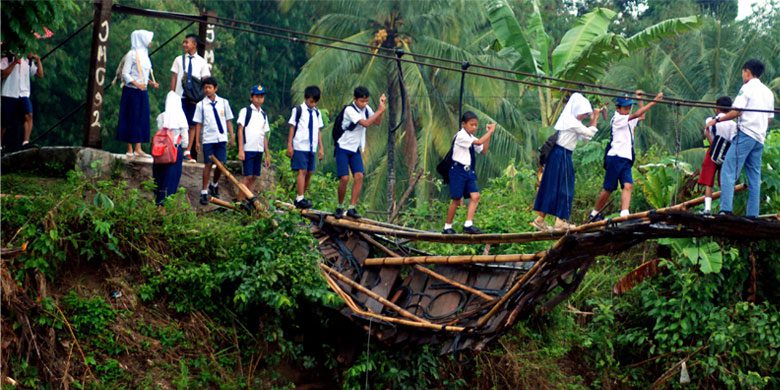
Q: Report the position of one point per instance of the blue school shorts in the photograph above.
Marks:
(303, 161)
(618, 170)
(26, 104)
(253, 161)
(346, 161)
(218, 150)
(9, 114)
(462, 182)
(189, 110)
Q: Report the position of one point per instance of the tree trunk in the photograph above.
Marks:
(392, 107)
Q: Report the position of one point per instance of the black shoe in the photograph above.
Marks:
(339, 213)
(471, 230)
(595, 218)
(303, 204)
(705, 213)
(213, 190)
(725, 213)
(248, 207)
(449, 231)
(204, 199)
(353, 214)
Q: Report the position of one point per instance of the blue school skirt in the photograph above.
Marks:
(556, 191)
(167, 177)
(133, 126)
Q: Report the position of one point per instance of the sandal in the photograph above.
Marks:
(539, 225)
(563, 225)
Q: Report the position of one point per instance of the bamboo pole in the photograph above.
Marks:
(241, 187)
(429, 272)
(373, 295)
(464, 259)
(315, 214)
(225, 204)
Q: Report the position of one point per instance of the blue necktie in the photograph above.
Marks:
(216, 117)
(311, 130)
(189, 69)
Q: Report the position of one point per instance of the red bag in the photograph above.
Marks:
(164, 151)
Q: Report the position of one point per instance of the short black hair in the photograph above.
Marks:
(195, 38)
(211, 81)
(724, 101)
(467, 116)
(313, 92)
(755, 67)
(361, 92)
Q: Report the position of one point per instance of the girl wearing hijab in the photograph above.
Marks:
(133, 126)
(556, 190)
(167, 176)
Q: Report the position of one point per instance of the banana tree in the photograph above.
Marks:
(584, 53)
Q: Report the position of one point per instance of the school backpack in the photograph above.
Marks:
(547, 147)
(164, 151)
(718, 148)
(338, 131)
(443, 167)
(265, 117)
(609, 145)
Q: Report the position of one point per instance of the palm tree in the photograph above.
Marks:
(455, 30)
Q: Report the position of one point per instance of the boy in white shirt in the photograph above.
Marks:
(619, 157)
(303, 139)
(725, 129)
(748, 145)
(462, 174)
(253, 138)
(190, 64)
(352, 144)
(16, 74)
(212, 116)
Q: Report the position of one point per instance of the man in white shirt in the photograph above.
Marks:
(352, 144)
(748, 145)
(709, 169)
(189, 65)
(213, 116)
(303, 139)
(253, 138)
(16, 74)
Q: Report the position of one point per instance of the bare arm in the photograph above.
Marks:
(232, 139)
(640, 113)
(38, 64)
(320, 149)
(240, 138)
(375, 119)
(174, 79)
(727, 117)
(290, 141)
(485, 139)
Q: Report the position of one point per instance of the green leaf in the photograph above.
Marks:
(510, 35)
(667, 28)
(588, 29)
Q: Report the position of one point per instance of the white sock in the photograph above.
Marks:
(468, 224)
(447, 226)
(204, 192)
(594, 213)
(351, 207)
(25, 143)
(186, 152)
(214, 184)
(623, 213)
(707, 203)
(298, 198)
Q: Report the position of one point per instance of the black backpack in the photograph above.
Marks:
(443, 168)
(338, 131)
(249, 116)
(547, 147)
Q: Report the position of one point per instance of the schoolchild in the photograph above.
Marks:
(748, 145)
(167, 176)
(16, 73)
(709, 169)
(556, 190)
(189, 65)
(253, 131)
(462, 174)
(303, 140)
(133, 126)
(214, 122)
(619, 157)
(352, 145)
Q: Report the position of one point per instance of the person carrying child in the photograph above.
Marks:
(352, 144)
(167, 176)
(462, 174)
(253, 129)
(213, 116)
(619, 156)
(748, 145)
(556, 190)
(709, 168)
(303, 139)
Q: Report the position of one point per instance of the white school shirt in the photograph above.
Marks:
(301, 139)
(568, 138)
(755, 95)
(460, 149)
(17, 84)
(130, 71)
(353, 139)
(205, 114)
(256, 130)
(200, 69)
(725, 129)
(622, 135)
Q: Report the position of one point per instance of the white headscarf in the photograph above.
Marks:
(139, 42)
(173, 117)
(577, 105)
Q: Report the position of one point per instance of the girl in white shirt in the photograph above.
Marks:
(133, 126)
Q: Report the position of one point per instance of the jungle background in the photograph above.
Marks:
(112, 293)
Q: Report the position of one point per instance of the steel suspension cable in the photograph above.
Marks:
(66, 40)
